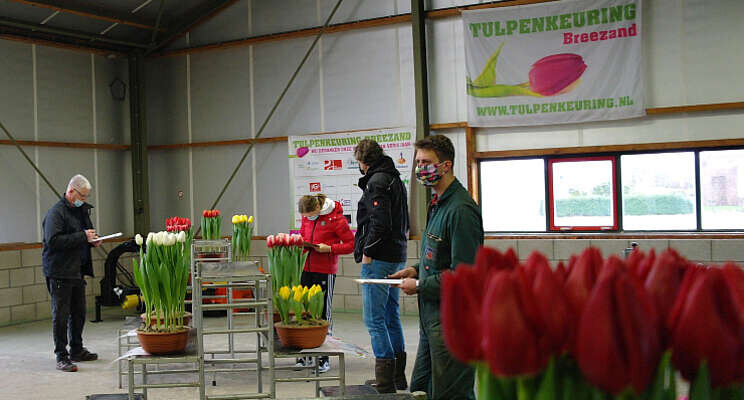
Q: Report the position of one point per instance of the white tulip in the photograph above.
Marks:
(159, 238)
(181, 237)
(138, 239)
(150, 238)
(171, 239)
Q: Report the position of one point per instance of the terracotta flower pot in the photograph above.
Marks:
(154, 320)
(302, 336)
(164, 342)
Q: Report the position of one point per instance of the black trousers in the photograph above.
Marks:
(68, 315)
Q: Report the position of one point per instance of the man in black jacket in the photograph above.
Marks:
(68, 237)
(381, 246)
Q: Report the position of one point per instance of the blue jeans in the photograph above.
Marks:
(380, 310)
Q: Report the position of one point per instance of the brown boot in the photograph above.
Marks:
(400, 372)
(384, 371)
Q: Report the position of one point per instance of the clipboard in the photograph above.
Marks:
(111, 236)
(379, 281)
(309, 245)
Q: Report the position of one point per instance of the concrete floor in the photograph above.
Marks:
(27, 367)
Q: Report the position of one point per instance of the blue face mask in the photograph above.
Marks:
(77, 203)
(312, 217)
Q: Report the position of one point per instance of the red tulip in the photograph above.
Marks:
(560, 272)
(270, 241)
(581, 278)
(553, 314)
(664, 279)
(706, 325)
(510, 336)
(555, 74)
(462, 300)
(204, 213)
(216, 213)
(618, 343)
(487, 259)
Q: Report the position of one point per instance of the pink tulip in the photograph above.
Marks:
(271, 241)
(555, 74)
(302, 151)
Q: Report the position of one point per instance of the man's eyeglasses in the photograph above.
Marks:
(84, 196)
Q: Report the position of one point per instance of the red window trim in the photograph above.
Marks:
(553, 226)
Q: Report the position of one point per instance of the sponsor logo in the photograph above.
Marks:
(315, 186)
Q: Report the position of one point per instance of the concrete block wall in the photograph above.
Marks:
(347, 294)
(24, 298)
(23, 293)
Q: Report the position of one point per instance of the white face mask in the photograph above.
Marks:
(312, 217)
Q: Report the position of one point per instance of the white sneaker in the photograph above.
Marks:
(324, 366)
(300, 364)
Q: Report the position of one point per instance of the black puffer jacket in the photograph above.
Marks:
(382, 214)
(66, 251)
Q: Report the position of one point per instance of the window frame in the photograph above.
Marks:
(617, 182)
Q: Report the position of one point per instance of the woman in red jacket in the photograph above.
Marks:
(324, 225)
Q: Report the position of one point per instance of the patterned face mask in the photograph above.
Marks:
(428, 175)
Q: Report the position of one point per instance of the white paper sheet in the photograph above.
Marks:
(111, 236)
(380, 281)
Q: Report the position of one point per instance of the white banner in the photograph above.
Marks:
(325, 164)
(553, 63)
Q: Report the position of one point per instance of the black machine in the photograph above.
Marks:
(113, 293)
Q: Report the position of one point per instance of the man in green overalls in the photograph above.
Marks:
(454, 230)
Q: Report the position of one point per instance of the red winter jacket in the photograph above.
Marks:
(331, 229)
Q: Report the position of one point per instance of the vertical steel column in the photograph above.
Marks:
(419, 194)
(138, 132)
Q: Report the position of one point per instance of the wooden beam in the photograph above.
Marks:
(275, 37)
(69, 145)
(448, 125)
(216, 143)
(696, 108)
(88, 12)
(456, 11)
(558, 151)
(473, 173)
(60, 45)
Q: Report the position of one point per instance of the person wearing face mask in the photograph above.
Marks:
(325, 227)
(68, 237)
(381, 245)
(454, 231)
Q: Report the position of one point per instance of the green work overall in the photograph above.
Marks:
(454, 230)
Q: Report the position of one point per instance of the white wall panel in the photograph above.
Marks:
(165, 87)
(65, 102)
(272, 171)
(714, 53)
(662, 53)
(109, 112)
(355, 10)
(230, 24)
(18, 213)
(527, 138)
(17, 103)
(361, 79)
(299, 111)
(442, 62)
(221, 95)
(283, 15)
(212, 167)
(169, 173)
(407, 111)
(113, 203)
(59, 165)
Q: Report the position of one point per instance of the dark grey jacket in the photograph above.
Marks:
(66, 251)
(382, 214)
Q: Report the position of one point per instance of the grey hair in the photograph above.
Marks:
(79, 182)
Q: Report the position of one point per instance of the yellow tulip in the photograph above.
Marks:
(298, 296)
(250, 219)
(235, 219)
(284, 292)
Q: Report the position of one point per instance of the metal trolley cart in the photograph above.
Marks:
(211, 268)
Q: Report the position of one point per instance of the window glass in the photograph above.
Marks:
(583, 193)
(658, 191)
(513, 195)
(722, 189)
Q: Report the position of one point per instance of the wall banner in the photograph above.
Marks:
(325, 164)
(553, 63)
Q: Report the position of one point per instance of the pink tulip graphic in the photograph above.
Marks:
(556, 74)
(302, 151)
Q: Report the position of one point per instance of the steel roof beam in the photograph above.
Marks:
(66, 32)
(73, 7)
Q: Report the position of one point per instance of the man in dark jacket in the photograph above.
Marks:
(68, 237)
(454, 231)
(381, 246)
